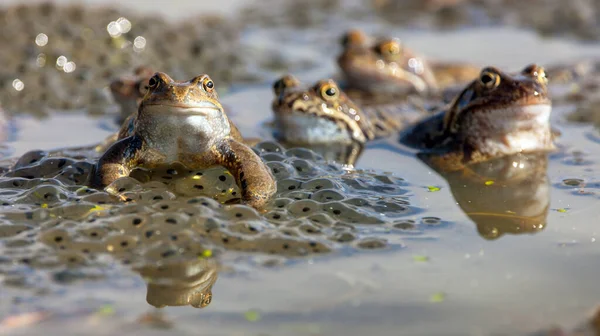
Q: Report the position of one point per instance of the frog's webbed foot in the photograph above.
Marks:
(251, 174)
(116, 162)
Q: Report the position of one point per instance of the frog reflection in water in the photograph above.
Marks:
(510, 194)
(185, 122)
(323, 118)
(387, 65)
(180, 283)
(496, 115)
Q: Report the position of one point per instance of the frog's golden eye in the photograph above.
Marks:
(489, 79)
(541, 75)
(207, 300)
(390, 48)
(153, 82)
(208, 84)
(329, 91)
(536, 71)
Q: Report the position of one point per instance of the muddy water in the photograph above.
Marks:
(448, 280)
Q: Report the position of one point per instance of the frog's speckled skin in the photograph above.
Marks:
(318, 114)
(185, 122)
(495, 115)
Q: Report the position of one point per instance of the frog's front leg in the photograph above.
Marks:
(118, 161)
(251, 174)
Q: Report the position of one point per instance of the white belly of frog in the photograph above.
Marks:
(302, 128)
(512, 130)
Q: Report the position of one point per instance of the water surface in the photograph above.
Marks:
(447, 281)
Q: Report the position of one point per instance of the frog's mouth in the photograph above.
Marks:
(203, 108)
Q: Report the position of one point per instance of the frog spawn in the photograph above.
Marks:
(63, 56)
(172, 213)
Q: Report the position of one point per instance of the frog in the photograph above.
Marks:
(321, 116)
(181, 282)
(505, 195)
(183, 121)
(386, 65)
(497, 114)
(128, 90)
(321, 113)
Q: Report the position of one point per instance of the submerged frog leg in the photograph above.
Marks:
(116, 162)
(251, 174)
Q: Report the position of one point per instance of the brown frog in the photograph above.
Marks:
(386, 65)
(184, 122)
(497, 114)
(322, 115)
(128, 92)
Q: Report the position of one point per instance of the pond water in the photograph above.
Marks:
(449, 279)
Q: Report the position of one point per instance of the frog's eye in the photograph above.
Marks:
(153, 82)
(345, 42)
(207, 300)
(279, 86)
(541, 75)
(536, 71)
(390, 48)
(489, 79)
(329, 91)
(209, 85)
